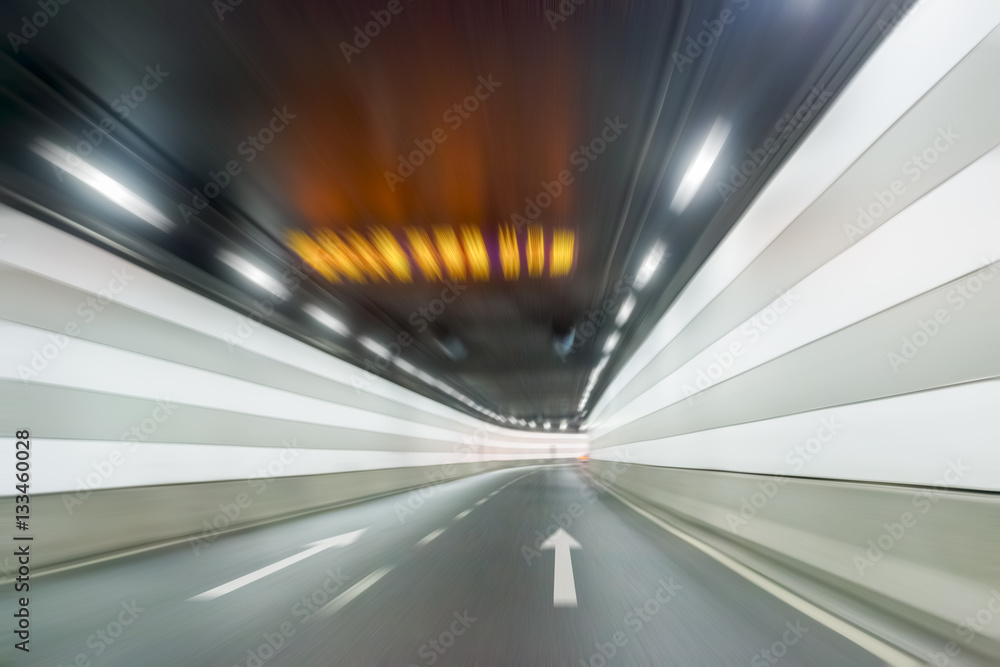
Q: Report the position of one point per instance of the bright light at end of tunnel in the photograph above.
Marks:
(104, 184)
(650, 265)
(699, 169)
(265, 280)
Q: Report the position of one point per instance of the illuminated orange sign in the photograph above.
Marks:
(442, 251)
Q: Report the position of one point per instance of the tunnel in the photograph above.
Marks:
(516, 332)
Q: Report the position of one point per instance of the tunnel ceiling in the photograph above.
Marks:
(579, 142)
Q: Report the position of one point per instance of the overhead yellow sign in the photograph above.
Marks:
(436, 253)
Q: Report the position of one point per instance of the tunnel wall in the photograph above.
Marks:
(840, 345)
(79, 528)
(925, 555)
(137, 391)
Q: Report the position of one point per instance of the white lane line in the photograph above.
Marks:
(462, 515)
(430, 537)
(315, 548)
(337, 603)
(515, 480)
(481, 502)
(870, 643)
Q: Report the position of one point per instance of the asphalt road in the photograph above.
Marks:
(455, 578)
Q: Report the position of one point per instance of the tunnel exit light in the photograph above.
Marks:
(436, 253)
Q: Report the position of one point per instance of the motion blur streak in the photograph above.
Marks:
(382, 332)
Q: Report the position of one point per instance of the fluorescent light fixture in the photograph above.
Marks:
(532, 424)
(407, 366)
(699, 169)
(265, 280)
(547, 425)
(600, 366)
(374, 347)
(626, 310)
(612, 342)
(104, 184)
(563, 425)
(324, 318)
(650, 265)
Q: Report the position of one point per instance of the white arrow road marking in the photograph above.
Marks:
(564, 586)
(314, 548)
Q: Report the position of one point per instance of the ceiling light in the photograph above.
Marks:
(532, 424)
(600, 366)
(249, 270)
(698, 170)
(547, 425)
(649, 265)
(98, 180)
(612, 342)
(326, 319)
(563, 424)
(410, 368)
(374, 347)
(626, 310)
